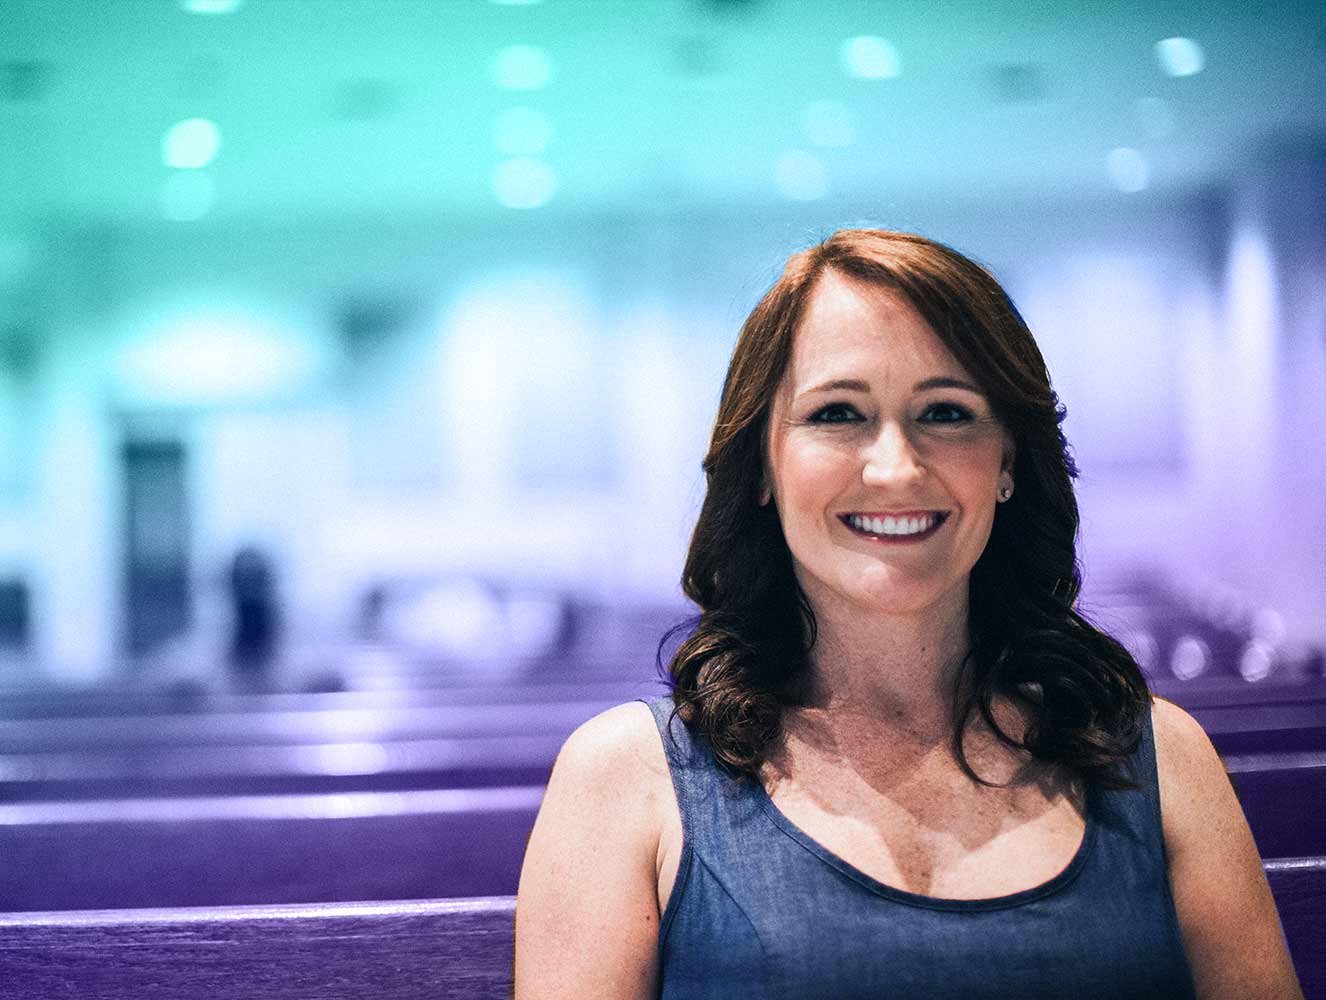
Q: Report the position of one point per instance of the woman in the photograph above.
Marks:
(900, 762)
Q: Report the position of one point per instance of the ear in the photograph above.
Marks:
(1006, 463)
(766, 491)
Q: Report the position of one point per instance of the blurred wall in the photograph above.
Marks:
(532, 400)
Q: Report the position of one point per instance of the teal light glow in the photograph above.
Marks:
(190, 144)
(801, 176)
(187, 196)
(1180, 56)
(524, 182)
(522, 67)
(869, 57)
(211, 6)
(204, 358)
(522, 132)
(828, 123)
(1128, 169)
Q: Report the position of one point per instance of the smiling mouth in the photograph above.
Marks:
(908, 527)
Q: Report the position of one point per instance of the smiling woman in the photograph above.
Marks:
(896, 760)
(878, 437)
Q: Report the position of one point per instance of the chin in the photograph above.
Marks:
(895, 597)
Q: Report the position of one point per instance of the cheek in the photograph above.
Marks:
(807, 474)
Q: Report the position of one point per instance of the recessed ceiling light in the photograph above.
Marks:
(1128, 169)
(190, 144)
(869, 57)
(522, 67)
(801, 176)
(524, 182)
(211, 6)
(1180, 56)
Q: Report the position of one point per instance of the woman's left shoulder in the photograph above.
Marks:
(1187, 763)
(1214, 868)
(1197, 800)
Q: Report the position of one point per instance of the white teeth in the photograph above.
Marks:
(893, 525)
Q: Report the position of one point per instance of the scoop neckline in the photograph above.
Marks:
(1067, 874)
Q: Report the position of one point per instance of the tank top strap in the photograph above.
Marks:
(1135, 813)
(709, 798)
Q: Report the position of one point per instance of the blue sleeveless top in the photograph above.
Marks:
(759, 909)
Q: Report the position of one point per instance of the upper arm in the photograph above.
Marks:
(587, 907)
(1231, 930)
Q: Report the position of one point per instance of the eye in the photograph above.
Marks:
(835, 413)
(946, 413)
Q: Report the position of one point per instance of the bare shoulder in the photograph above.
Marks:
(587, 906)
(609, 774)
(1214, 868)
(621, 742)
(1191, 776)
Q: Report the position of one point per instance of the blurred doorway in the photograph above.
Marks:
(156, 542)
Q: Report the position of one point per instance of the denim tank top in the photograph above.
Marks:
(759, 909)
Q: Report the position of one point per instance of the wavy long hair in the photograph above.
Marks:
(747, 657)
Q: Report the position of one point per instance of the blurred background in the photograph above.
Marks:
(341, 338)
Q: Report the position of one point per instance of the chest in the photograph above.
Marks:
(990, 845)
(932, 830)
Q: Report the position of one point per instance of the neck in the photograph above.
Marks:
(895, 670)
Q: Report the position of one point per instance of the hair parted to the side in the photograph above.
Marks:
(748, 655)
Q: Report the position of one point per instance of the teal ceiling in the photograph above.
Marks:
(343, 108)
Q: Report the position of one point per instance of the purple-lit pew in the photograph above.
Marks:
(434, 950)
(1265, 728)
(1283, 796)
(166, 772)
(1254, 728)
(49, 702)
(408, 951)
(345, 724)
(1279, 791)
(242, 850)
(379, 845)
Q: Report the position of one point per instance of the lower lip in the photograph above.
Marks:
(898, 539)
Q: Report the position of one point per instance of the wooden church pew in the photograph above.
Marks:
(241, 850)
(226, 729)
(295, 848)
(172, 772)
(1280, 727)
(457, 949)
(112, 702)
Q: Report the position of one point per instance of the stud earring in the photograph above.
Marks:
(1005, 493)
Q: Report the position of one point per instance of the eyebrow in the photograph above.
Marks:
(937, 382)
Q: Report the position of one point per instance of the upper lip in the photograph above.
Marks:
(915, 512)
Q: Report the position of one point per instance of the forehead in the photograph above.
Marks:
(850, 326)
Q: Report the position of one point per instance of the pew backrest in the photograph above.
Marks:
(272, 849)
(405, 951)
(435, 949)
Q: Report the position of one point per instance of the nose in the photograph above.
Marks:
(890, 459)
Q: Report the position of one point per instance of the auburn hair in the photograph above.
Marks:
(747, 656)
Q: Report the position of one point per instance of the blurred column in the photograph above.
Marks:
(1270, 474)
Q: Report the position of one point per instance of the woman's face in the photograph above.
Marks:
(884, 457)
